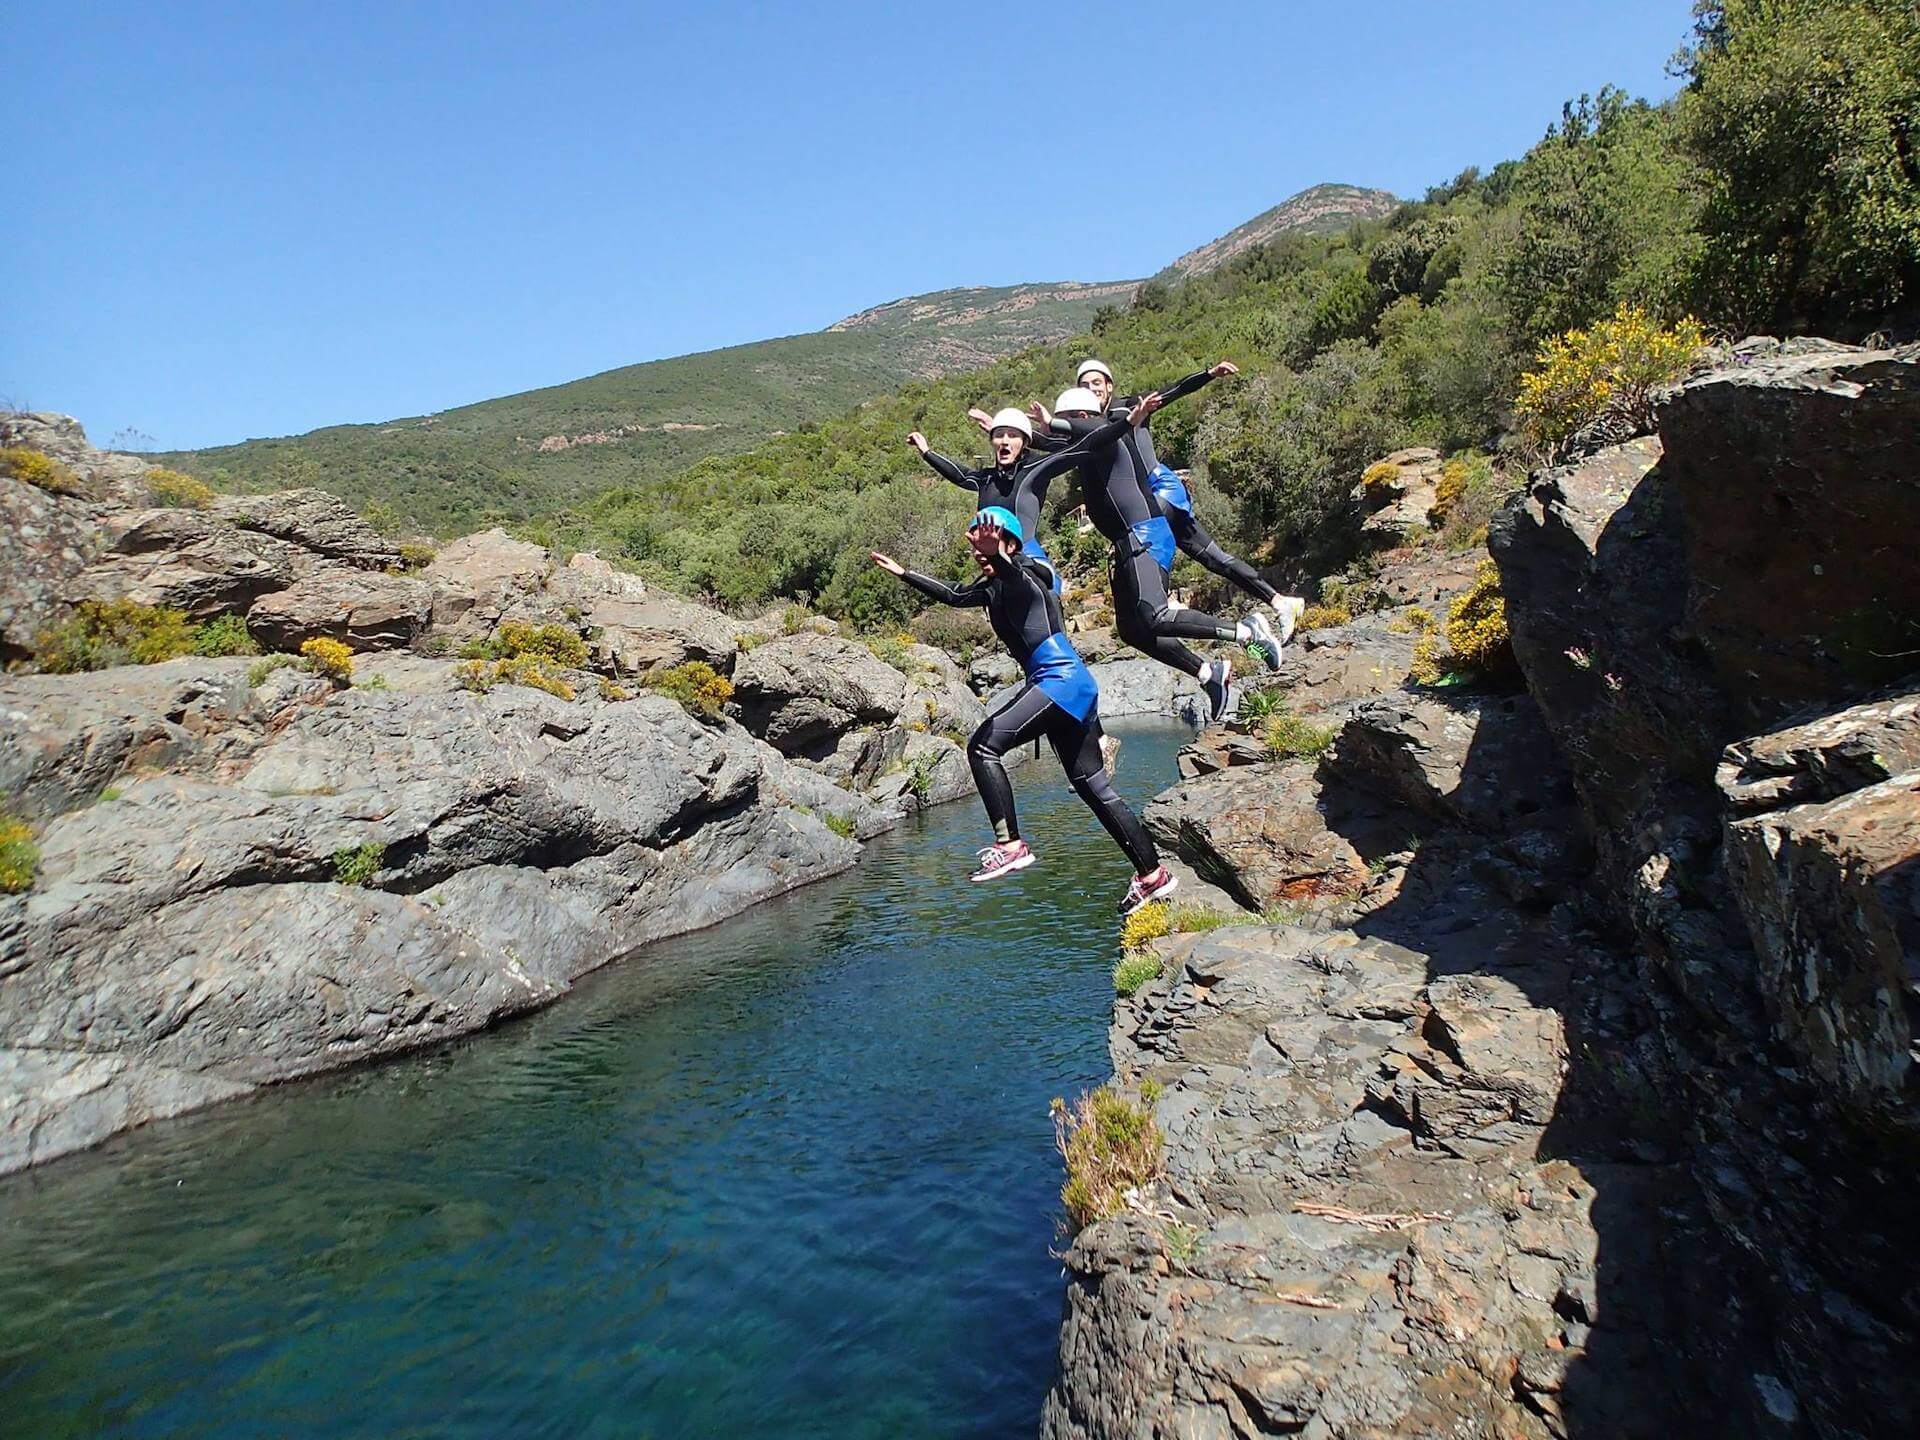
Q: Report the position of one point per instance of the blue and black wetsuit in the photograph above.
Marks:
(1058, 699)
(1124, 510)
(1168, 489)
(1023, 488)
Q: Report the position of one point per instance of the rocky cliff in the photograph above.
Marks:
(254, 867)
(1578, 1095)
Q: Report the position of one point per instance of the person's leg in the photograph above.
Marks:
(1077, 743)
(1192, 537)
(1016, 720)
(1130, 620)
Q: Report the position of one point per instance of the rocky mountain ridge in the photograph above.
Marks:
(1579, 1097)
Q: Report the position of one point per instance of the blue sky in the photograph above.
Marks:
(253, 219)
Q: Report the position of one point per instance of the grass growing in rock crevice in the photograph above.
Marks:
(1111, 1147)
(357, 864)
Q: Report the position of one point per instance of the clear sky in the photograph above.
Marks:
(255, 218)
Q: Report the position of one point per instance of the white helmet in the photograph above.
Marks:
(1092, 367)
(1079, 398)
(1011, 419)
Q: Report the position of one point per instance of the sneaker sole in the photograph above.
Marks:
(1007, 869)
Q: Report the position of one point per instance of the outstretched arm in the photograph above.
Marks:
(1091, 435)
(945, 468)
(1194, 381)
(965, 595)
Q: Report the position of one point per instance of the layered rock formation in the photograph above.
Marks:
(1580, 1094)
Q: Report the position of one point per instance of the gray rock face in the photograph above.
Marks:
(655, 631)
(368, 610)
(1259, 834)
(185, 560)
(802, 693)
(106, 477)
(45, 540)
(187, 938)
(314, 521)
(1146, 687)
(478, 578)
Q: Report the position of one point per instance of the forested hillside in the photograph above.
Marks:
(1777, 191)
(541, 450)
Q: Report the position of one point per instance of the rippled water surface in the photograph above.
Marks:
(791, 1176)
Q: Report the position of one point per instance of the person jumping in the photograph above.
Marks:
(1123, 509)
(1058, 698)
(1177, 505)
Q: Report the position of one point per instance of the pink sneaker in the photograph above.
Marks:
(998, 860)
(1147, 888)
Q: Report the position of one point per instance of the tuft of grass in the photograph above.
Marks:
(841, 825)
(1181, 1240)
(613, 693)
(1257, 705)
(1287, 736)
(920, 779)
(177, 491)
(266, 667)
(330, 658)
(377, 682)
(357, 864)
(1111, 1147)
(700, 689)
(19, 856)
(1135, 970)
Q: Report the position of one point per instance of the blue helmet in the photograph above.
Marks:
(1001, 516)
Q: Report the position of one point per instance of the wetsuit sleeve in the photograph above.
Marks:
(1185, 387)
(1088, 435)
(950, 470)
(965, 595)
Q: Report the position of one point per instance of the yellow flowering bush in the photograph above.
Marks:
(1612, 368)
(1381, 472)
(1323, 617)
(1149, 922)
(19, 856)
(178, 491)
(1477, 622)
(38, 469)
(698, 687)
(104, 633)
(519, 639)
(328, 657)
(531, 671)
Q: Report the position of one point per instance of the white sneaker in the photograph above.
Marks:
(1289, 608)
(1264, 644)
(998, 860)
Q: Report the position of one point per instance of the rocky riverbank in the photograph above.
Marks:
(1577, 1093)
(251, 868)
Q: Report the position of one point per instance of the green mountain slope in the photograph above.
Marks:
(544, 450)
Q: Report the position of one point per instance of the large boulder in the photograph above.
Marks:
(359, 873)
(368, 610)
(185, 560)
(1146, 687)
(45, 541)
(314, 521)
(1398, 504)
(1259, 833)
(645, 632)
(476, 578)
(107, 477)
(802, 693)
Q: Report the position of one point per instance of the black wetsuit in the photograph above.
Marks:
(1056, 699)
(1124, 509)
(1023, 488)
(1188, 533)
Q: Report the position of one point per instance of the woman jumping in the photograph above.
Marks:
(1058, 699)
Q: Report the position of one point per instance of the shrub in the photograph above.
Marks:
(1111, 1147)
(613, 693)
(39, 469)
(700, 689)
(1146, 924)
(1426, 668)
(1610, 370)
(480, 676)
(794, 619)
(1135, 970)
(19, 856)
(1381, 472)
(327, 657)
(415, 554)
(894, 650)
(181, 492)
(518, 639)
(1477, 623)
(920, 779)
(226, 635)
(1287, 736)
(357, 864)
(1324, 617)
(103, 633)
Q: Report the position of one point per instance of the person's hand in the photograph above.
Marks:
(918, 441)
(1041, 416)
(888, 563)
(1224, 369)
(985, 539)
(1146, 406)
(981, 418)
